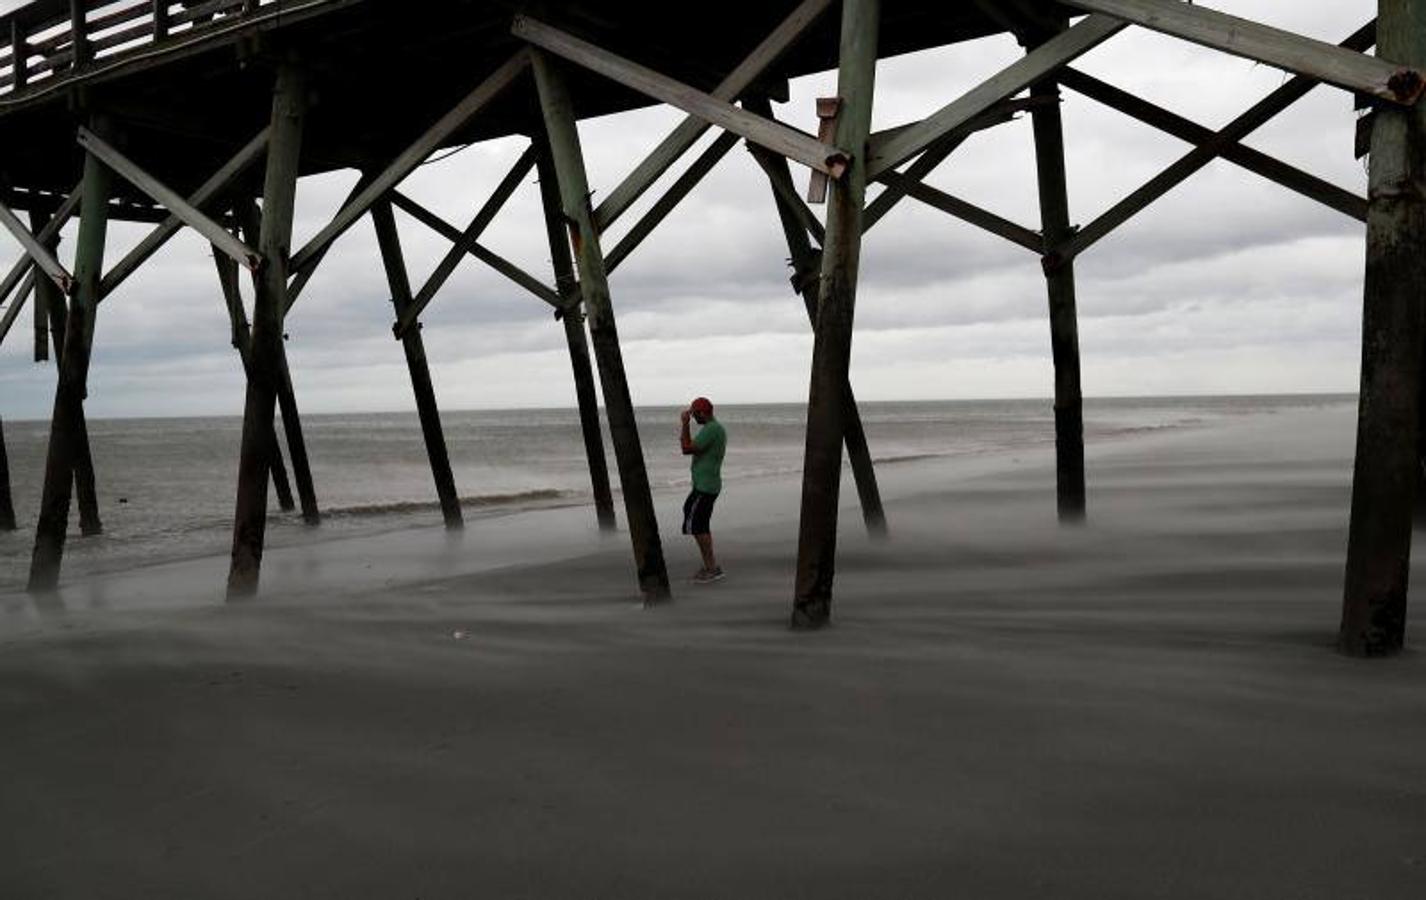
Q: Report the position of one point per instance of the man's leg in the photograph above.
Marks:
(705, 547)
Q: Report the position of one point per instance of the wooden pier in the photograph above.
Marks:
(190, 115)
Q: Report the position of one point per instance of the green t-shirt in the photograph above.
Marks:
(708, 446)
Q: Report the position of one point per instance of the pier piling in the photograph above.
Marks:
(268, 355)
(832, 347)
(1385, 475)
(415, 349)
(568, 164)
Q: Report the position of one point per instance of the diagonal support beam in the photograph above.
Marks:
(666, 204)
(16, 306)
(167, 197)
(789, 202)
(44, 236)
(206, 193)
(36, 250)
(775, 136)
(905, 143)
(495, 261)
(494, 85)
(1300, 55)
(1260, 113)
(299, 281)
(1290, 177)
(467, 240)
(966, 211)
(691, 129)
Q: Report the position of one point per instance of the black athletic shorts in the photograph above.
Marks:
(696, 511)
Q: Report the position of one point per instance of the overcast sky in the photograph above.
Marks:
(1229, 284)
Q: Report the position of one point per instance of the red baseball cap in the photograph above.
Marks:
(702, 405)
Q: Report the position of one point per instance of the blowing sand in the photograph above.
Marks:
(1146, 706)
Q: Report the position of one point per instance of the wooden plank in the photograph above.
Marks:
(19, 55)
(1089, 33)
(1259, 114)
(78, 32)
(463, 245)
(214, 187)
(36, 250)
(413, 155)
(190, 215)
(686, 134)
(775, 136)
(1315, 59)
(671, 198)
(1255, 161)
(965, 211)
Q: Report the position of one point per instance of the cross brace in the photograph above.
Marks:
(690, 129)
(776, 136)
(190, 215)
(489, 257)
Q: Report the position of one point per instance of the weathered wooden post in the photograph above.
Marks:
(50, 298)
(1059, 280)
(286, 398)
(1385, 474)
(573, 321)
(832, 347)
(430, 415)
(242, 342)
(806, 266)
(67, 422)
(268, 356)
(7, 503)
(563, 135)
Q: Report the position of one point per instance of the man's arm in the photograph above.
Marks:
(684, 438)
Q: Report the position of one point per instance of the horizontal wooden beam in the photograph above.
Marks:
(462, 245)
(690, 129)
(671, 198)
(208, 191)
(775, 136)
(1088, 33)
(36, 250)
(1262, 43)
(56, 222)
(1255, 161)
(1258, 115)
(170, 199)
(966, 211)
(493, 85)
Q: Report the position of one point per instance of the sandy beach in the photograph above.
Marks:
(1146, 706)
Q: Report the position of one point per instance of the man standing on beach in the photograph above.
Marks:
(707, 449)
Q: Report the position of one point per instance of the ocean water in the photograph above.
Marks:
(166, 486)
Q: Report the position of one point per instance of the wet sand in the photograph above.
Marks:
(1145, 706)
